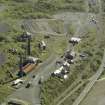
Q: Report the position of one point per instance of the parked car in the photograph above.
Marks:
(28, 84)
(17, 86)
(17, 81)
(33, 76)
(12, 50)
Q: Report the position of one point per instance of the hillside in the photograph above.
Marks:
(59, 21)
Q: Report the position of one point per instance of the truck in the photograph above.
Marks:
(32, 63)
(29, 68)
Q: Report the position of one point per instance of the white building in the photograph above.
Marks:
(32, 59)
(65, 76)
(66, 64)
(42, 45)
(29, 34)
(75, 40)
(58, 71)
(17, 81)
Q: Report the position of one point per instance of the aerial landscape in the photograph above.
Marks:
(52, 52)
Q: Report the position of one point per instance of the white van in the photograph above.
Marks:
(18, 81)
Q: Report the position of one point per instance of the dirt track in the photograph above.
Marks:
(97, 95)
(2, 58)
(80, 21)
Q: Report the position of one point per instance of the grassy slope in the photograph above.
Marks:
(53, 87)
(14, 12)
(84, 69)
(103, 20)
(41, 8)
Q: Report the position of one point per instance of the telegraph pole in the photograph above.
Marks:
(29, 45)
(21, 73)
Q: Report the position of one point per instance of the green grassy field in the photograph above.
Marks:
(12, 60)
(11, 63)
(91, 45)
(13, 14)
(40, 8)
(53, 88)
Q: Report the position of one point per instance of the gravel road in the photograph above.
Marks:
(2, 58)
(32, 94)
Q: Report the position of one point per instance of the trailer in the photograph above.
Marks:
(75, 40)
(29, 66)
(17, 83)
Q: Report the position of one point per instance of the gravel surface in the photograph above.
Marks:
(4, 27)
(2, 8)
(2, 58)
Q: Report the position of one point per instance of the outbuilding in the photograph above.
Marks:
(42, 45)
(58, 71)
(66, 64)
(18, 81)
(32, 59)
(74, 40)
(65, 76)
(70, 55)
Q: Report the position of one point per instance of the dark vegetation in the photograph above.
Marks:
(40, 8)
(52, 88)
(93, 7)
(93, 44)
(103, 24)
(103, 5)
(15, 11)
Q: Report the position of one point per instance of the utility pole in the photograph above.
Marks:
(28, 43)
(21, 73)
(29, 46)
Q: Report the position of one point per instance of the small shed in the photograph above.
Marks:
(73, 54)
(65, 76)
(70, 55)
(58, 71)
(28, 34)
(18, 81)
(66, 64)
(32, 59)
(42, 45)
(74, 40)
